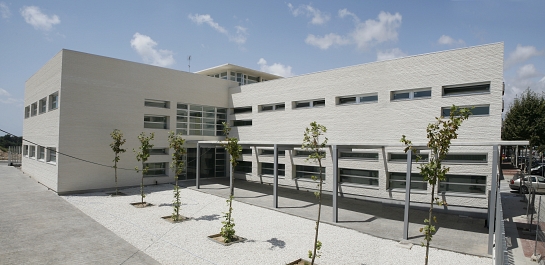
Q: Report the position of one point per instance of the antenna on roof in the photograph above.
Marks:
(189, 63)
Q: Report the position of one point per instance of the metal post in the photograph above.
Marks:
(335, 157)
(407, 195)
(275, 175)
(537, 225)
(198, 169)
(492, 199)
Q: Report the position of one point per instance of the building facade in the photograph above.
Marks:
(366, 108)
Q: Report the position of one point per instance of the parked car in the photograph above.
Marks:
(538, 182)
(538, 170)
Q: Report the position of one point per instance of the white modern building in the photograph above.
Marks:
(76, 100)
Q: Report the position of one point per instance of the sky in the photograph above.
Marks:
(285, 38)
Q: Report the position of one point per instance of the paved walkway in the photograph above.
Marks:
(455, 232)
(39, 227)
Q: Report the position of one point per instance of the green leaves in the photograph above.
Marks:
(176, 142)
(143, 155)
(227, 230)
(525, 119)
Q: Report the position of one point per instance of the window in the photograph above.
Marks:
(27, 112)
(466, 89)
(25, 150)
(246, 151)
(359, 176)
(463, 183)
(32, 151)
(43, 105)
(237, 123)
(157, 103)
(52, 155)
(242, 110)
(268, 169)
(414, 94)
(34, 109)
(308, 171)
(402, 157)
(200, 120)
(41, 153)
(397, 181)
(475, 111)
(156, 169)
(466, 158)
(307, 153)
(221, 75)
(270, 152)
(358, 99)
(244, 167)
(309, 103)
(158, 151)
(358, 155)
(155, 122)
(271, 107)
(54, 101)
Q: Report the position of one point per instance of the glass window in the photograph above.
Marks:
(466, 89)
(155, 122)
(307, 153)
(347, 100)
(27, 112)
(41, 153)
(463, 184)
(358, 155)
(158, 151)
(475, 111)
(404, 94)
(358, 99)
(466, 158)
(52, 155)
(308, 171)
(156, 169)
(244, 167)
(268, 169)
(371, 98)
(359, 176)
(397, 181)
(270, 152)
(25, 150)
(32, 151)
(246, 151)
(34, 109)
(402, 157)
(270, 107)
(242, 110)
(43, 105)
(302, 104)
(53, 101)
(157, 103)
(201, 120)
(422, 94)
(310, 103)
(237, 123)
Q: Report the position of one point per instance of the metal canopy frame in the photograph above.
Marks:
(336, 148)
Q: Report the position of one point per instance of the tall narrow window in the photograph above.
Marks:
(41, 153)
(54, 101)
(27, 112)
(34, 109)
(43, 105)
(52, 155)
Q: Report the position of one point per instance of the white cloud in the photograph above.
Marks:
(373, 32)
(447, 40)
(318, 17)
(390, 54)
(145, 47)
(4, 10)
(326, 41)
(521, 54)
(239, 37)
(40, 21)
(527, 71)
(5, 98)
(344, 12)
(275, 69)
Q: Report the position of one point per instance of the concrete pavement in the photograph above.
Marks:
(39, 227)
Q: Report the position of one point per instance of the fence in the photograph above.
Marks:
(500, 247)
(14, 155)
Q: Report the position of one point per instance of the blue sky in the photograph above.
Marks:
(284, 38)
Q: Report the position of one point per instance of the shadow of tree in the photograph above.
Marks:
(276, 243)
(210, 217)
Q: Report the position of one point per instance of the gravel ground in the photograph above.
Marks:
(272, 237)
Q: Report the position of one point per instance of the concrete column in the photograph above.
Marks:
(335, 157)
(407, 195)
(492, 199)
(198, 169)
(275, 175)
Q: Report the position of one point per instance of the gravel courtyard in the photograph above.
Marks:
(272, 237)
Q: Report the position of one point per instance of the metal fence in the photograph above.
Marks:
(14, 155)
(500, 255)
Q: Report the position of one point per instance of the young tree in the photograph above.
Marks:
(117, 136)
(142, 156)
(311, 142)
(440, 135)
(234, 149)
(176, 142)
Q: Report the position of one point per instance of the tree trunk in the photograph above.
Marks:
(429, 223)
(319, 212)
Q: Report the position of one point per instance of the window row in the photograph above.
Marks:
(396, 180)
(40, 153)
(192, 119)
(43, 105)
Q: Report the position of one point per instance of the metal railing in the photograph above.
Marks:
(15, 155)
(500, 256)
